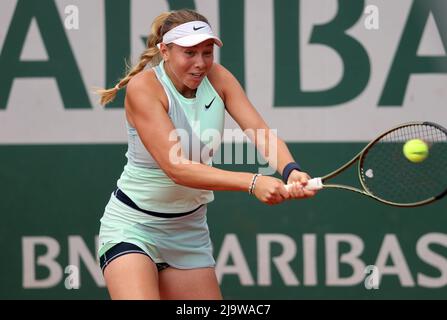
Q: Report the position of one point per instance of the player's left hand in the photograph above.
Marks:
(298, 180)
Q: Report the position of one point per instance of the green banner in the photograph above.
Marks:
(54, 196)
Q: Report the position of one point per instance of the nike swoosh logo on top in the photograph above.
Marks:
(198, 28)
(207, 106)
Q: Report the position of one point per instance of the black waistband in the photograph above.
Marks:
(121, 196)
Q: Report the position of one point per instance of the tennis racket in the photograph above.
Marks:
(387, 175)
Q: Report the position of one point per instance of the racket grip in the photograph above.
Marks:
(312, 185)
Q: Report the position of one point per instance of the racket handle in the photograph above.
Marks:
(312, 185)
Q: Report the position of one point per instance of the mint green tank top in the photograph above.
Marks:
(199, 122)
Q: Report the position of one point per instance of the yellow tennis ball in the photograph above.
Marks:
(416, 150)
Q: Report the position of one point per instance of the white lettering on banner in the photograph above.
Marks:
(391, 249)
(433, 259)
(231, 261)
(282, 261)
(310, 259)
(47, 260)
(40, 115)
(231, 248)
(77, 251)
(332, 242)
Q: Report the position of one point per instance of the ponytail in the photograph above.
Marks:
(151, 56)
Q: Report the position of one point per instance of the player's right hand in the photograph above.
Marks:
(270, 190)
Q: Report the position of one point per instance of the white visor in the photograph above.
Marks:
(190, 34)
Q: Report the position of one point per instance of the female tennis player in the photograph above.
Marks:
(154, 238)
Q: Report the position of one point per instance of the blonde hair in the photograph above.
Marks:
(151, 55)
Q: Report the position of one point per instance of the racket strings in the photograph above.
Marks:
(389, 175)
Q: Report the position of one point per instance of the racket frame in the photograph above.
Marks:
(359, 157)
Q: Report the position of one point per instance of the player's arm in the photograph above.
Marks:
(271, 147)
(249, 120)
(144, 106)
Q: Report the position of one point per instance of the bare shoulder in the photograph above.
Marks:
(142, 88)
(219, 73)
(222, 80)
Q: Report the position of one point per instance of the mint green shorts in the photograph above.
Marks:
(182, 242)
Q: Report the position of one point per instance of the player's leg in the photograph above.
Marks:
(130, 274)
(191, 284)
